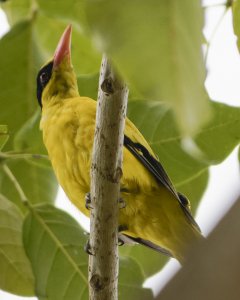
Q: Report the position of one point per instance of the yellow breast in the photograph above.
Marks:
(68, 131)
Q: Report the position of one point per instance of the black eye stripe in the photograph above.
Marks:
(43, 78)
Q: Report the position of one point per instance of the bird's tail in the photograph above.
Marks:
(188, 242)
(181, 248)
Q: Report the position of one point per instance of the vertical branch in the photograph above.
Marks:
(106, 173)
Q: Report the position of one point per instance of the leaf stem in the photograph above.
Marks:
(209, 42)
(214, 5)
(11, 155)
(16, 184)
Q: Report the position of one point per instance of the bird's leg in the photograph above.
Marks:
(120, 229)
(88, 201)
(88, 248)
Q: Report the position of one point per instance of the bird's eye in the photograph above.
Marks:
(44, 78)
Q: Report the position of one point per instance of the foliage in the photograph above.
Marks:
(16, 274)
(156, 47)
(3, 135)
(173, 68)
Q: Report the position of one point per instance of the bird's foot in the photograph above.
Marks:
(88, 248)
(121, 203)
(120, 242)
(121, 237)
(88, 201)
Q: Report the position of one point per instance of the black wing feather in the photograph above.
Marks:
(154, 166)
(157, 170)
(127, 239)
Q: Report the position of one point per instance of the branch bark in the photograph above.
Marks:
(106, 173)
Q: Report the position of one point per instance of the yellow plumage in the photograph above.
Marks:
(152, 213)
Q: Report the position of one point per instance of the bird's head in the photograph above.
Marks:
(56, 80)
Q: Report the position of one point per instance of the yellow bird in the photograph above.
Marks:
(155, 214)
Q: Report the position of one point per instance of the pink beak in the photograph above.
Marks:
(63, 48)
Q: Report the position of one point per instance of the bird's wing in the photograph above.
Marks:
(157, 170)
(151, 164)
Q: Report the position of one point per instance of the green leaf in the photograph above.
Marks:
(88, 85)
(17, 10)
(236, 20)
(35, 175)
(16, 275)
(72, 11)
(3, 135)
(156, 45)
(29, 137)
(131, 280)
(219, 136)
(54, 242)
(149, 261)
(38, 182)
(55, 245)
(19, 64)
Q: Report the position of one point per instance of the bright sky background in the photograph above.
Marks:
(223, 85)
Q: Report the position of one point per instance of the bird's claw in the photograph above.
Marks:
(122, 203)
(120, 242)
(88, 201)
(88, 248)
